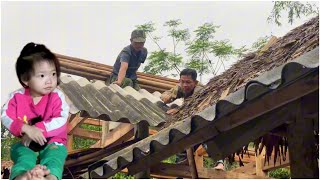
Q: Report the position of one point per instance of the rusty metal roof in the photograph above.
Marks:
(112, 103)
(204, 125)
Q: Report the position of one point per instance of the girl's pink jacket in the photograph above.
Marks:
(52, 108)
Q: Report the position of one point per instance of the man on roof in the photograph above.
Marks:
(125, 68)
(188, 85)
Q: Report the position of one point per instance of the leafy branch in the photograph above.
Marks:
(294, 8)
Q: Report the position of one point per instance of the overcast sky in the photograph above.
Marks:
(97, 31)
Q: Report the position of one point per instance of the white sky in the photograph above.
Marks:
(97, 31)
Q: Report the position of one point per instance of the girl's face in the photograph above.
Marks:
(43, 80)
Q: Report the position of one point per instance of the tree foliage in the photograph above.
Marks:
(204, 53)
(280, 173)
(162, 60)
(294, 8)
(207, 54)
(259, 43)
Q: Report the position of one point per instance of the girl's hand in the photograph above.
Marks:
(26, 140)
(34, 134)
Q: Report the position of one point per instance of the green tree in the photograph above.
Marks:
(294, 8)
(199, 50)
(207, 54)
(224, 51)
(163, 60)
(259, 43)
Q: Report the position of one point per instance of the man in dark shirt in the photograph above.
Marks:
(188, 85)
(129, 60)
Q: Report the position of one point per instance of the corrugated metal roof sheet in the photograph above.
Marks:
(268, 82)
(113, 103)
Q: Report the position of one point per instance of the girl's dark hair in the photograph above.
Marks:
(31, 54)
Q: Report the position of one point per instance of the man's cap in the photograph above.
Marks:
(138, 36)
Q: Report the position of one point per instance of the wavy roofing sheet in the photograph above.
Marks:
(268, 82)
(113, 103)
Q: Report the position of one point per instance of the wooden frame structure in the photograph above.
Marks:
(254, 165)
(296, 98)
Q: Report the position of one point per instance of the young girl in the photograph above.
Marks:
(38, 71)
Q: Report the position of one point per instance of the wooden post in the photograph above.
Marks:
(199, 161)
(302, 150)
(198, 157)
(192, 164)
(70, 142)
(141, 132)
(105, 131)
(70, 136)
(260, 162)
